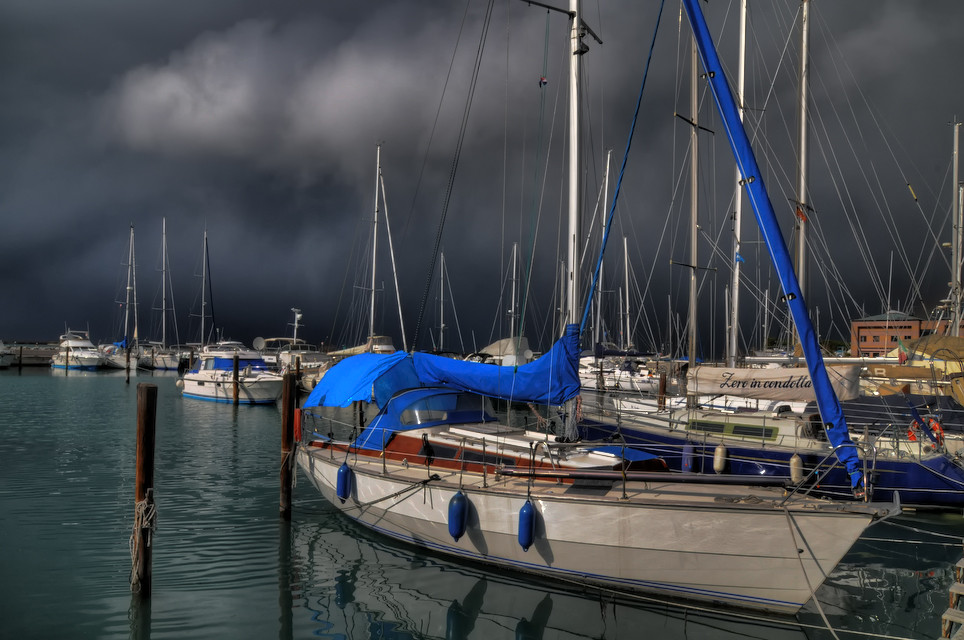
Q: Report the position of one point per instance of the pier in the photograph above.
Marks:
(954, 614)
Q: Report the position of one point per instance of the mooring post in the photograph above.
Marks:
(144, 511)
(287, 443)
(20, 361)
(234, 375)
(127, 366)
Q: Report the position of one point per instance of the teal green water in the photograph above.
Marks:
(226, 566)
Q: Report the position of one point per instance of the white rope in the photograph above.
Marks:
(145, 517)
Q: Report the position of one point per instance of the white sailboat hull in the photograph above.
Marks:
(717, 544)
(218, 386)
(166, 361)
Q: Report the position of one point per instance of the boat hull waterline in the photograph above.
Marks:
(219, 387)
(715, 544)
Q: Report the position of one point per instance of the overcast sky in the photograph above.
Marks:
(259, 122)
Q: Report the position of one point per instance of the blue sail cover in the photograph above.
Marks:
(551, 379)
(827, 402)
(367, 377)
(372, 377)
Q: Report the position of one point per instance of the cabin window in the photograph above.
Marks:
(709, 427)
(753, 431)
(736, 430)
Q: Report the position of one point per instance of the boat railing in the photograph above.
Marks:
(805, 486)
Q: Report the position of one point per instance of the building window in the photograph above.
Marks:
(863, 338)
(876, 338)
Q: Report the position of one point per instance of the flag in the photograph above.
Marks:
(903, 353)
(543, 82)
(738, 257)
(801, 214)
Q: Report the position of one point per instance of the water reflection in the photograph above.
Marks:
(357, 584)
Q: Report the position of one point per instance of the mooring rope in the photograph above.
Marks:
(145, 517)
(414, 487)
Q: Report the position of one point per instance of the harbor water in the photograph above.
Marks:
(225, 565)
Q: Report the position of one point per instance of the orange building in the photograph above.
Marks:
(877, 336)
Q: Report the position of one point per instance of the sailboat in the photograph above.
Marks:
(436, 469)
(782, 422)
(158, 355)
(226, 370)
(123, 353)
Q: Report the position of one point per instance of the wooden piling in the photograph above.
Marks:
(287, 443)
(144, 511)
(20, 361)
(234, 375)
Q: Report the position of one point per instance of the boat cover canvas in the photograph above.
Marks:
(551, 379)
(366, 377)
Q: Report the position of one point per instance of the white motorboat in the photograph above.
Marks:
(214, 377)
(76, 351)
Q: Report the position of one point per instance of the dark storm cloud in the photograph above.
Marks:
(259, 122)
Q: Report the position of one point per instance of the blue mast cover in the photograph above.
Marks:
(827, 402)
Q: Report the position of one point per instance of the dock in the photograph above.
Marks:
(954, 615)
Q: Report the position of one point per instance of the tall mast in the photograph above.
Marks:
(694, 199)
(204, 271)
(378, 171)
(575, 174)
(734, 320)
(441, 302)
(163, 283)
(133, 276)
(628, 343)
(391, 251)
(802, 141)
(513, 306)
(127, 298)
(956, 239)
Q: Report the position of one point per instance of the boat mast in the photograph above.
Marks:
(513, 307)
(391, 251)
(163, 283)
(575, 174)
(127, 298)
(734, 331)
(378, 170)
(204, 270)
(133, 276)
(441, 301)
(956, 239)
(694, 199)
(628, 342)
(802, 143)
(831, 413)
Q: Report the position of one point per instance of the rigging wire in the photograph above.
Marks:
(622, 171)
(454, 168)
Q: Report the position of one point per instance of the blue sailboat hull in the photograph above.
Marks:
(934, 481)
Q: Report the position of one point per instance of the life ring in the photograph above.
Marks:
(935, 427)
